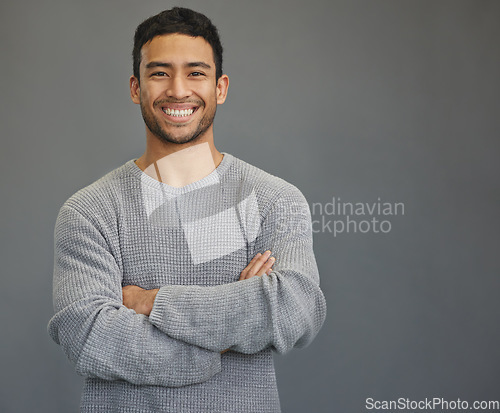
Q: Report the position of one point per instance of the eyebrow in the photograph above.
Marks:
(170, 65)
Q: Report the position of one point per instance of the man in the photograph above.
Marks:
(177, 274)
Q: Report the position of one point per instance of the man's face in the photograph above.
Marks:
(179, 91)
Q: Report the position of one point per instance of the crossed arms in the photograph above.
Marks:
(277, 305)
(141, 300)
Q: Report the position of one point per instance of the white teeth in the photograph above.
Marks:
(178, 113)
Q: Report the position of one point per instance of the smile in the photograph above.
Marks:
(178, 113)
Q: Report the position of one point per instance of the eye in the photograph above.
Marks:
(196, 74)
(159, 74)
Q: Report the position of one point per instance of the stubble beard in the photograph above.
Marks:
(154, 126)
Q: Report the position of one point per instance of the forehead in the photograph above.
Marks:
(177, 49)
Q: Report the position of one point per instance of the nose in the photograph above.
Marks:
(178, 88)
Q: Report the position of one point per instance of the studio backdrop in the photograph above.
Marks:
(385, 114)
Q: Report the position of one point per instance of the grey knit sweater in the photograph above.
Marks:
(192, 243)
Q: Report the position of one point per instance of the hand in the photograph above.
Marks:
(139, 299)
(261, 264)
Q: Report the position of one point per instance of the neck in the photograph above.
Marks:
(179, 164)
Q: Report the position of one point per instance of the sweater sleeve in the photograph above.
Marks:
(100, 336)
(283, 310)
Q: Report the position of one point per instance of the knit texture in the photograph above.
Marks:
(192, 243)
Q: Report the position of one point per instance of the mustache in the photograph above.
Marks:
(161, 102)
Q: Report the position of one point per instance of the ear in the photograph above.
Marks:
(222, 86)
(135, 90)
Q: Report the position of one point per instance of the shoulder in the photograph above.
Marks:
(269, 189)
(102, 195)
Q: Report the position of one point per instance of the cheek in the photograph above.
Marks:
(149, 94)
(207, 93)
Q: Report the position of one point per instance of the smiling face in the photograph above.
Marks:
(178, 91)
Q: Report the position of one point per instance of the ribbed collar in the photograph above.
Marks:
(211, 179)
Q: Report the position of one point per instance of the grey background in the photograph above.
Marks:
(352, 99)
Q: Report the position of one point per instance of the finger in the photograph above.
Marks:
(245, 270)
(250, 265)
(266, 266)
(270, 270)
(258, 264)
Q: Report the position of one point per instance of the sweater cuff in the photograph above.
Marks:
(164, 315)
(158, 312)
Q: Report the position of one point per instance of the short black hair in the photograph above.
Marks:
(177, 20)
